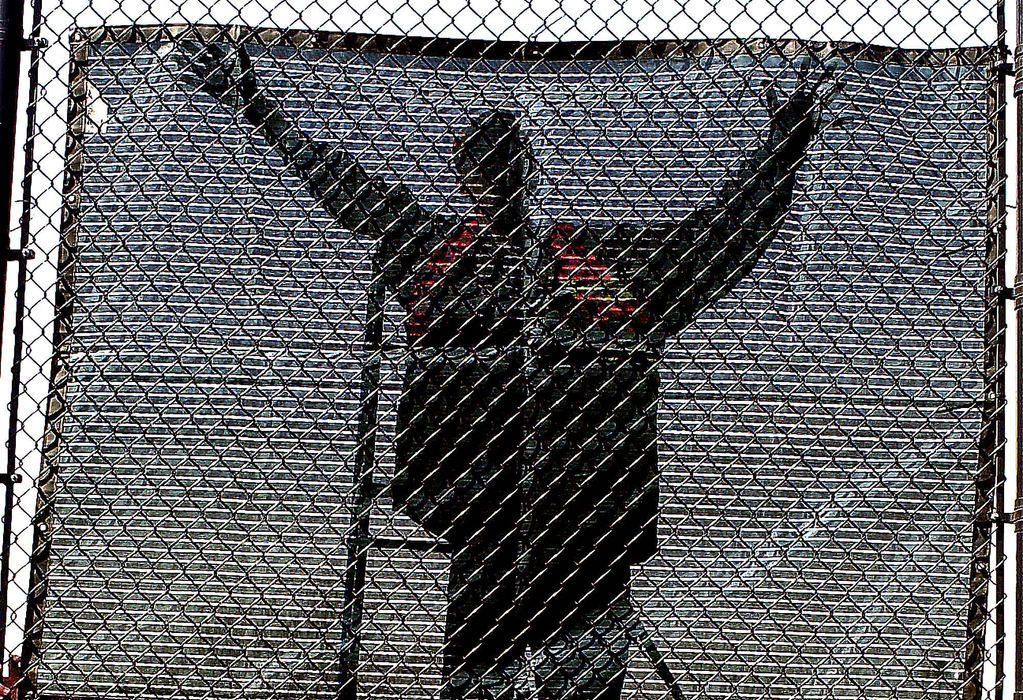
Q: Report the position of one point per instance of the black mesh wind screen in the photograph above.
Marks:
(378, 367)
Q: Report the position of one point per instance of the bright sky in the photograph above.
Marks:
(913, 24)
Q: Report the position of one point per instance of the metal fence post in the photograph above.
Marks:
(12, 43)
(1018, 506)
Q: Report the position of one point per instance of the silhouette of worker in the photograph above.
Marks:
(528, 421)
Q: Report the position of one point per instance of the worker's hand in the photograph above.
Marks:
(801, 116)
(226, 74)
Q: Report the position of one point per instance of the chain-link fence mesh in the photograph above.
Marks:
(609, 360)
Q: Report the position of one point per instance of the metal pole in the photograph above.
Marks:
(359, 540)
(1018, 506)
(998, 175)
(989, 493)
(12, 43)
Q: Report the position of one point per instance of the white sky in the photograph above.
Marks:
(915, 24)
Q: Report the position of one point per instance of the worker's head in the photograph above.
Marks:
(491, 160)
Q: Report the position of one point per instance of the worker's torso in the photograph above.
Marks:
(529, 380)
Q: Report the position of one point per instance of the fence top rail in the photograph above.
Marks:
(443, 47)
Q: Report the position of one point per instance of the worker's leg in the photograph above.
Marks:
(489, 682)
(484, 637)
(586, 657)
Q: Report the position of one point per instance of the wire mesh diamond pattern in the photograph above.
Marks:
(397, 361)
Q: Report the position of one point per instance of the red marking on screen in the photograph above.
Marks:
(596, 289)
(599, 301)
(437, 267)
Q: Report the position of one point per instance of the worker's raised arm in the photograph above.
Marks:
(628, 281)
(364, 204)
(686, 266)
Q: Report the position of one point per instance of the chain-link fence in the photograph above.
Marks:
(367, 353)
